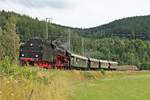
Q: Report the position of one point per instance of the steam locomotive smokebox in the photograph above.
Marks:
(37, 49)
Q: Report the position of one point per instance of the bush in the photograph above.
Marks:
(145, 66)
(5, 65)
(10, 69)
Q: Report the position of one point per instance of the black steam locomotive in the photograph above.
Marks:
(43, 53)
(46, 54)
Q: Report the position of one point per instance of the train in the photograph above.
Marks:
(46, 54)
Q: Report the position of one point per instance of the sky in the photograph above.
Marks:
(78, 13)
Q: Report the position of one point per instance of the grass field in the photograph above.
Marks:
(77, 85)
(28, 83)
(124, 86)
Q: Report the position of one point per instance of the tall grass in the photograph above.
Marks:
(27, 83)
(30, 83)
(22, 89)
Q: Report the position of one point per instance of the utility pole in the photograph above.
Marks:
(69, 40)
(46, 37)
(48, 20)
(83, 46)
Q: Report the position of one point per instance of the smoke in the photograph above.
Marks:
(59, 4)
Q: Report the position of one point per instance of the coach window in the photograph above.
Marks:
(74, 59)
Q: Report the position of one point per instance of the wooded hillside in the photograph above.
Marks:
(132, 28)
(117, 41)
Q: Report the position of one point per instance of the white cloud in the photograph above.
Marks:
(79, 13)
(41, 3)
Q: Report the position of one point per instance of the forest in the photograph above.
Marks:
(132, 28)
(125, 40)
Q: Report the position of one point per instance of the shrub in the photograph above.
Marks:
(145, 66)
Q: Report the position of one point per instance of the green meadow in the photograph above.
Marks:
(125, 87)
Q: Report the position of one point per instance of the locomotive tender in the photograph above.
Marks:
(48, 55)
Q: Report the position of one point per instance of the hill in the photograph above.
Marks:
(137, 27)
(109, 42)
(131, 27)
(28, 27)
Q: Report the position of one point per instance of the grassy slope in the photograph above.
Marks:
(125, 86)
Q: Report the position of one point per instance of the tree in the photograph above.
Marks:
(9, 40)
(1, 47)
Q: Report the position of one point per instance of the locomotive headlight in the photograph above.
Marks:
(36, 56)
(31, 44)
(22, 55)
